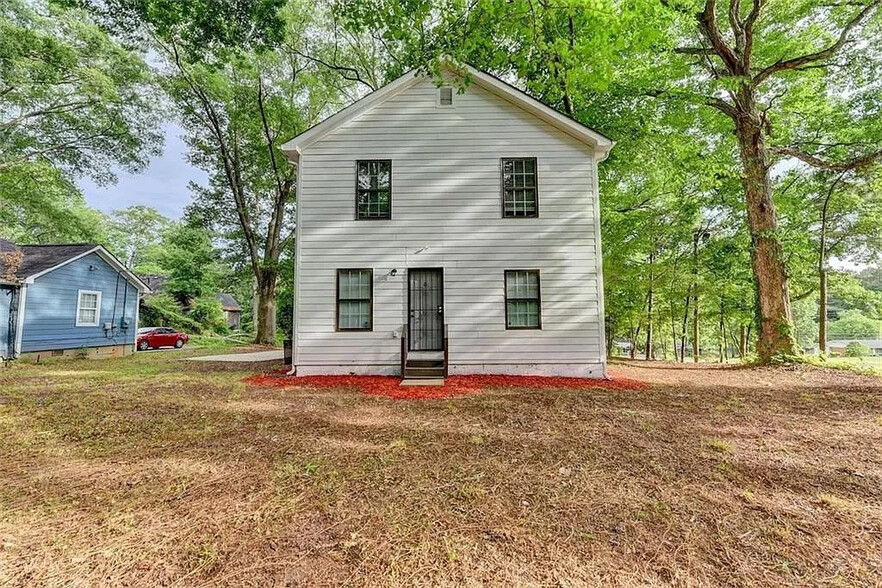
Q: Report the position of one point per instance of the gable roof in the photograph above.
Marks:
(154, 282)
(228, 303)
(38, 260)
(492, 84)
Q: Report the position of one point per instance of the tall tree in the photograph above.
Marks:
(746, 59)
(74, 102)
(132, 230)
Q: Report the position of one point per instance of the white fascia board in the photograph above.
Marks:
(578, 131)
(107, 257)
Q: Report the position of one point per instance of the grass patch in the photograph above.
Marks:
(718, 445)
(150, 471)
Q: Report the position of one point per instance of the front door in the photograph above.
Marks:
(426, 309)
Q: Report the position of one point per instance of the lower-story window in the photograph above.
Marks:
(522, 300)
(88, 308)
(355, 292)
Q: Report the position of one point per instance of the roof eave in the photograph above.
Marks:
(107, 257)
(293, 149)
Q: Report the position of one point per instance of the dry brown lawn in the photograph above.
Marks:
(147, 471)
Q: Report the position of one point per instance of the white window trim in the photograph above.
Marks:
(80, 307)
(452, 97)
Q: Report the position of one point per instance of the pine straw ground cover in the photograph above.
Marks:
(146, 471)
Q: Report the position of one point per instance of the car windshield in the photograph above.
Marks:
(144, 330)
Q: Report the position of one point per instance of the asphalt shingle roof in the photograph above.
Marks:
(228, 302)
(37, 258)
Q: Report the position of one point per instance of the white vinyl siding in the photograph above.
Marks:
(447, 214)
(88, 308)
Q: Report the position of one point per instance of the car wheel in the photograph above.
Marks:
(143, 345)
(179, 343)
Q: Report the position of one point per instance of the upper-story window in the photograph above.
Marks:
(520, 188)
(445, 96)
(373, 189)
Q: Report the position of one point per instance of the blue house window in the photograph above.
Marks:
(88, 308)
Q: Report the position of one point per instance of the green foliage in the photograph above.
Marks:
(70, 94)
(132, 231)
(164, 309)
(187, 258)
(38, 204)
(73, 102)
(857, 349)
(206, 310)
(854, 324)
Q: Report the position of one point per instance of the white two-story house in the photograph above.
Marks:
(448, 230)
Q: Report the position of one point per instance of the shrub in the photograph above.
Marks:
(856, 349)
(163, 310)
(208, 313)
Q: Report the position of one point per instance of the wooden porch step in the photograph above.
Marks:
(423, 382)
(424, 363)
(429, 372)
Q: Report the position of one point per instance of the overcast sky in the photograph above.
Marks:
(163, 185)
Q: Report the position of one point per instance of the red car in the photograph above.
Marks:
(150, 337)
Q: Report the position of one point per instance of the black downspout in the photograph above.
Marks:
(11, 332)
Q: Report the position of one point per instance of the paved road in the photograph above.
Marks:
(254, 357)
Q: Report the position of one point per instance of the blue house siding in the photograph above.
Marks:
(5, 299)
(51, 307)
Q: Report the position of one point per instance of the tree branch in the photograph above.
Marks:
(815, 161)
(788, 64)
(707, 23)
(349, 73)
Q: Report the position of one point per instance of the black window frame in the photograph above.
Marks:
(538, 299)
(535, 187)
(359, 190)
(370, 300)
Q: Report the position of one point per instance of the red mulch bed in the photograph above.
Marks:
(390, 386)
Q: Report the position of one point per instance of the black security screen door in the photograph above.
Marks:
(426, 309)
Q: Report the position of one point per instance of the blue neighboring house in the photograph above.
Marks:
(66, 299)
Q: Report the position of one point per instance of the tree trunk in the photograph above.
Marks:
(266, 309)
(742, 343)
(696, 343)
(822, 272)
(776, 323)
(684, 327)
(722, 332)
(696, 348)
(648, 355)
(674, 331)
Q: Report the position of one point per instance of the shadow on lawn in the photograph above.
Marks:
(683, 481)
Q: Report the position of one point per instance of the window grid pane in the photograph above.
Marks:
(373, 189)
(522, 299)
(87, 309)
(519, 188)
(354, 299)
